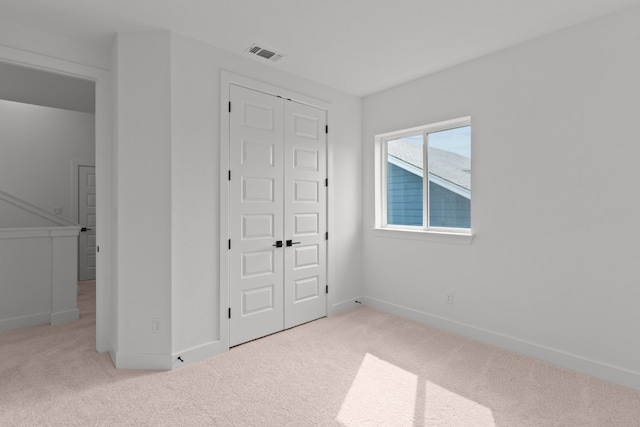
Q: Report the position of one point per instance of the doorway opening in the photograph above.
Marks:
(24, 64)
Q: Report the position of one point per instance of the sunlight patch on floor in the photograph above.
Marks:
(385, 394)
(446, 408)
(381, 394)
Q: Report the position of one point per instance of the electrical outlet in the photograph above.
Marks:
(156, 325)
(448, 298)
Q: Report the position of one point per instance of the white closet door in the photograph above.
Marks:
(256, 267)
(277, 214)
(305, 213)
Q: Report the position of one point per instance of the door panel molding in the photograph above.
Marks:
(307, 287)
(305, 194)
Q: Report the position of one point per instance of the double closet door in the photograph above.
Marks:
(277, 214)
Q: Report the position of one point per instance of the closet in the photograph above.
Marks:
(277, 214)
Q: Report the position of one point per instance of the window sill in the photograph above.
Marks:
(424, 235)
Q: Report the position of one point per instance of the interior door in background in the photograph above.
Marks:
(87, 219)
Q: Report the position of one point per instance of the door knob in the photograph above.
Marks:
(278, 244)
(85, 229)
(291, 243)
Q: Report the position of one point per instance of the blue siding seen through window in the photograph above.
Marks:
(448, 209)
(404, 202)
(404, 197)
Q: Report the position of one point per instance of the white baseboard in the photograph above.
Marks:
(25, 321)
(574, 362)
(164, 362)
(65, 316)
(344, 306)
(112, 356)
(153, 362)
(196, 354)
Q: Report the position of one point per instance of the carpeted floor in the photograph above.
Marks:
(363, 368)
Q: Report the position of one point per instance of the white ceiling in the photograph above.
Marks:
(357, 46)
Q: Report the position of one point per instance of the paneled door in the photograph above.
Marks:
(305, 213)
(277, 214)
(87, 219)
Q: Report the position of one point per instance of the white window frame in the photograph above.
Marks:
(424, 232)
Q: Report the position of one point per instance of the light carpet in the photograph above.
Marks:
(363, 368)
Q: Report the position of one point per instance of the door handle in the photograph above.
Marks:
(85, 229)
(278, 244)
(291, 243)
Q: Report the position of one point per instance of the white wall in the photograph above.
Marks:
(173, 113)
(553, 268)
(159, 139)
(143, 115)
(195, 183)
(89, 52)
(12, 216)
(37, 148)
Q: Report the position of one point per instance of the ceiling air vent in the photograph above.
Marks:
(260, 51)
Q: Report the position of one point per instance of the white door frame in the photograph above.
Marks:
(227, 78)
(104, 174)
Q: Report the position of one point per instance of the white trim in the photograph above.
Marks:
(557, 357)
(381, 226)
(38, 232)
(25, 321)
(463, 238)
(72, 231)
(344, 306)
(225, 82)
(65, 316)
(226, 79)
(426, 204)
(195, 354)
(112, 356)
(430, 128)
(149, 362)
(105, 174)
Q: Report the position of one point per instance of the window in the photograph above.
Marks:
(425, 178)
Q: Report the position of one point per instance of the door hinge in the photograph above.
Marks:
(327, 289)
(229, 106)
(326, 182)
(229, 175)
(229, 312)
(229, 243)
(326, 236)
(326, 129)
